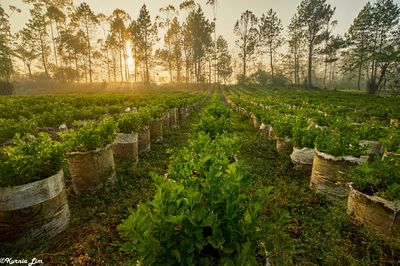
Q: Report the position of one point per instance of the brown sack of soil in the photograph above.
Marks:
(33, 212)
(271, 133)
(166, 121)
(156, 130)
(395, 122)
(326, 174)
(173, 117)
(182, 114)
(125, 147)
(284, 146)
(264, 129)
(377, 214)
(302, 159)
(373, 148)
(144, 140)
(256, 123)
(91, 170)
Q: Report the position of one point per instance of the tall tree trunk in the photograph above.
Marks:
(28, 66)
(178, 70)
(126, 66)
(43, 54)
(89, 52)
(359, 77)
(325, 70)
(108, 67)
(54, 43)
(146, 78)
(209, 71)
(121, 66)
(271, 62)
(310, 52)
(170, 63)
(76, 68)
(115, 68)
(244, 62)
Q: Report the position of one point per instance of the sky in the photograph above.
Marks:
(228, 11)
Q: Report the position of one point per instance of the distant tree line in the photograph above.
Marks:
(73, 44)
(369, 50)
(68, 43)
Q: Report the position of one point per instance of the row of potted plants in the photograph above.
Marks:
(365, 108)
(47, 113)
(33, 202)
(336, 155)
(200, 214)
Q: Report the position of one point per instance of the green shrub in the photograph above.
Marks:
(340, 139)
(31, 160)
(200, 214)
(215, 120)
(129, 122)
(303, 135)
(379, 178)
(91, 136)
(8, 127)
(392, 140)
(283, 126)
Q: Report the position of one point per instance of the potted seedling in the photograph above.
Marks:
(125, 146)
(303, 138)
(391, 142)
(337, 152)
(374, 197)
(90, 157)
(283, 133)
(33, 202)
(369, 135)
(144, 131)
(156, 126)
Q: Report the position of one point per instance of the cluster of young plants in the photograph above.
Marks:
(392, 140)
(283, 126)
(30, 159)
(337, 143)
(200, 214)
(137, 121)
(303, 134)
(215, 120)
(379, 178)
(38, 113)
(129, 122)
(332, 129)
(91, 136)
(10, 126)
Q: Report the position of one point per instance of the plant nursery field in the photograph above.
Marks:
(226, 175)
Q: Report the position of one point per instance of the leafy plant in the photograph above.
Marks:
(337, 143)
(380, 178)
(303, 134)
(91, 136)
(11, 126)
(369, 131)
(215, 120)
(392, 139)
(283, 126)
(30, 160)
(199, 215)
(129, 122)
